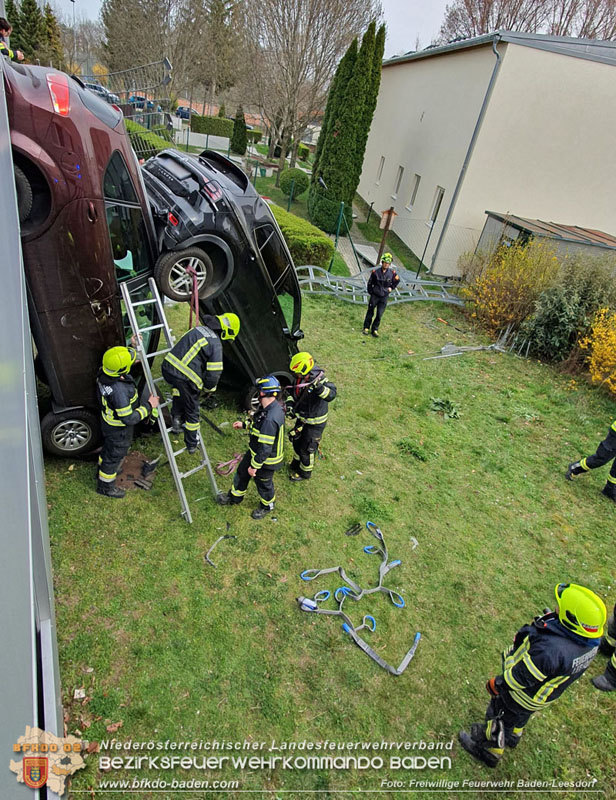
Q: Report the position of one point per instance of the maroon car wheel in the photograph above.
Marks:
(24, 194)
(174, 273)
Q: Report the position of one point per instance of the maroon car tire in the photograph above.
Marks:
(69, 434)
(173, 279)
(25, 196)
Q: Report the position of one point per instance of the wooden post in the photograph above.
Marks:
(386, 222)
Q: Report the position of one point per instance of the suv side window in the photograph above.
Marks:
(281, 273)
(125, 222)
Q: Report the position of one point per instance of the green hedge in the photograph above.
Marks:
(295, 179)
(254, 136)
(303, 152)
(215, 126)
(145, 143)
(308, 245)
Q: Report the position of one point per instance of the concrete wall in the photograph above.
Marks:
(424, 120)
(545, 148)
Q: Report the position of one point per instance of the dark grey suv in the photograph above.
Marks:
(213, 227)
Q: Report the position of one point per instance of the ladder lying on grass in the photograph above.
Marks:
(315, 280)
(145, 359)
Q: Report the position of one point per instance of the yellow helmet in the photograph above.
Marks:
(229, 324)
(118, 360)
(301, 363)
(387, 258)
(580, 610)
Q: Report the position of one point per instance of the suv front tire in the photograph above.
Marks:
(173, 276)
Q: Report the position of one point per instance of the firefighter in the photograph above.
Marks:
(380, 285)
(605, 452)
(607, 681)
(265, 450)
(546, 657)
(309, 395)
(121, 410)
(5, 31)
(194, 364)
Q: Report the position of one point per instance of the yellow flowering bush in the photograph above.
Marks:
(502, 289)
(601, 347)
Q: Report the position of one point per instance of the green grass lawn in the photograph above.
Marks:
(174, 649)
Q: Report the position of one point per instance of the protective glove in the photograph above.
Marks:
(493, 686)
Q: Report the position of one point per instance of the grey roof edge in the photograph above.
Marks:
(507, 218)
(588, 49)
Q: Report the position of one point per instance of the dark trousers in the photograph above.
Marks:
(264, 481)
(505, 708)
(375, 303)
(605, 452)
(116, 444)
(305, 443)
(185, 405)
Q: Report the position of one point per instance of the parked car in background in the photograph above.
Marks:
(103, 92)
(211, 224)
(85, 227)
(185, 112)
(143, 103)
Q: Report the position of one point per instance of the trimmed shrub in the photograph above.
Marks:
(504, 293)
(254, 136)
(601, 347)
(145, 143)
(215, 126)
(565, 312)
(308, 245)
(303, 151)
(239, 141)
(287, 177)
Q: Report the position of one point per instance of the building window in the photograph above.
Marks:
(379, 171)
(398, 182)
(436, 206)
(416, 182)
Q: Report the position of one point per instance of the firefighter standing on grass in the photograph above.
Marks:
(546, 657)
(195, 364)
(121, 410)
(606, 451)
(310, 395)
(265, 450)
(380, 285)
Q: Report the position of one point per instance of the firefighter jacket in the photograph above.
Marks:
(266, 443)
(120, 400)
(543, 661)
(381, 281)
(197, 358)
(310, 402)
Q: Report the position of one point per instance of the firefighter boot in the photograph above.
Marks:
(608, 642)
(109, 489)
(149, 467)
(262, 511)
(485, 742)
(227, 499)
(574, 469)
(604, 682)
(513, 736)
(609, 490)
(366, 331)
(177, 426)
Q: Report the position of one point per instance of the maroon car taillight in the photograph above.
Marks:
(213, 190)
(60, 93)
(173, 219)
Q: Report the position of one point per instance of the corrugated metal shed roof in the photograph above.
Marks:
(589, 49)
(552, 230)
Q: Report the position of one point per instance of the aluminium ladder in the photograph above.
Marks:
(163, 326)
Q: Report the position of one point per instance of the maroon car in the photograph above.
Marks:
(85, 226)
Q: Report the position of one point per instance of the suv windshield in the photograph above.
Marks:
(127, 231)
(282, 275)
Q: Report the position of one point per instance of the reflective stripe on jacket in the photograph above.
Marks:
(311, 401)
(197, 357)
(120, 401)
(266, 443)
(543, 661)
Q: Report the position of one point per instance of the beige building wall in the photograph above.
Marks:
(546, 147)
(424, 120)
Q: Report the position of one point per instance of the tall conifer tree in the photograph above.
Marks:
(31, 29)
